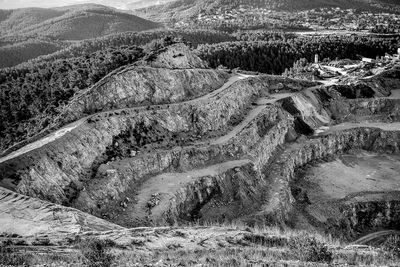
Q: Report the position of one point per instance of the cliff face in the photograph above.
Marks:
(384, 81)
(372, 211)
(307, 112)
(379, 109)
(299, 154)
(119, 180)
(171, 75)
(139, 86)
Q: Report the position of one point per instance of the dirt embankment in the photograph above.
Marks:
(25, 216)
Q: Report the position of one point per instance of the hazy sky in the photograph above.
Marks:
(10, 4)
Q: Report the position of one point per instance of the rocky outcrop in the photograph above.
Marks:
(372, 211)
(25, 216)
(384, 81)
(177, 56)
(376, 109)
(140, 86)
(307, 111)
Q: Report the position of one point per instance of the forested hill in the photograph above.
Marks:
(31, 32)
(185, 9)
(70, 23)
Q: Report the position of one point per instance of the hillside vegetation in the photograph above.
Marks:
(275, 56)
(71, 23)
(30, 96)
(195, 37)
(186, 9)
(20, 52)
(31, 32)
(232, 245)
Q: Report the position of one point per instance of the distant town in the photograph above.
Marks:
(248, 17)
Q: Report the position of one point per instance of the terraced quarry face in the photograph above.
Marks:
(350, 194)
(207, 145)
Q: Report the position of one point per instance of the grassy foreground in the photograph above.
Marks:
(221, 246)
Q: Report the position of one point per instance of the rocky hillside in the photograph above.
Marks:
(25, 216)
(170, 141)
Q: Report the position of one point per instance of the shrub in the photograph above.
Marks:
(392, 246)
(9, 257)
(41, 242)
(306, 248)
(96, 252)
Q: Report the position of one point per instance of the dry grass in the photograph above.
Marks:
(262, 246)
(275, 231)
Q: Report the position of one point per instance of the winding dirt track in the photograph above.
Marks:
(395, 126)
(70, 127)
(376, 237)
(166, 185)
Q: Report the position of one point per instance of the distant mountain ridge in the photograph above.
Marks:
(146, 3)
(76, 22)
(186, 9)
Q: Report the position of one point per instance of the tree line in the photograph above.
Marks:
(32, 95)
(194, 37)
(275, 56)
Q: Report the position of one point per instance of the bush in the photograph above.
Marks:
(41, 242)
(96, 252)
(9, 257)
(307, 248)
(392, 246)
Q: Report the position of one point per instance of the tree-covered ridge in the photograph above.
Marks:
(275, 56)
(71, 23)
(31, 96)
(188, 9)
(31, 32)
(195, 37)
(14, 54)
(16, 50)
